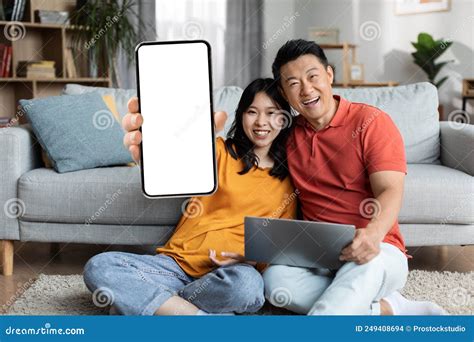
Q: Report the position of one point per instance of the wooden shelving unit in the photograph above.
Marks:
(39, 41)
(366, 85)
(349, 57)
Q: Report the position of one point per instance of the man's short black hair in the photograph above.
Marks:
(294, 49)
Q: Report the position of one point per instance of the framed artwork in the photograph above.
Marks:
(403, 7)
(356, 73)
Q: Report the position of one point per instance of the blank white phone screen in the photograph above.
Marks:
(174, 87)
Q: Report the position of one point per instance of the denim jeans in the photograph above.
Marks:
(139, 284)
(352, 290)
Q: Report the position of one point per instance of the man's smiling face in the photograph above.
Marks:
(306, 85)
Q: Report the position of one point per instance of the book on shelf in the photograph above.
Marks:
(8, 63)
(71, 70)
(6, 122)
(6, 60)
(3, 53)
(2, 11)
(39, 74)
(37, 64)
(14, 9)
(22, 10)
(36, 69)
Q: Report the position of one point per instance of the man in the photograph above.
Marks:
(348, 162)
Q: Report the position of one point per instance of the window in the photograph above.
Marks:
(195, 19)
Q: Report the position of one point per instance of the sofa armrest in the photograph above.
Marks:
(19, 153)
(457, 146)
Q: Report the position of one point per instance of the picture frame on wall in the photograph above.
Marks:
(356, 73)
(404, 7)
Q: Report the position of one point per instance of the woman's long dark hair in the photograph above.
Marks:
(241, 147)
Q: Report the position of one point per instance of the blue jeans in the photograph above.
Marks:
(139, 284)
(353, 290)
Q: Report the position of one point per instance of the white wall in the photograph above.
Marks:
(386, 53)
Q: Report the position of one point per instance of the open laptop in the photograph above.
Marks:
(296, 243)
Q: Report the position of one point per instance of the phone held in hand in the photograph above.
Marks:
(174, 87)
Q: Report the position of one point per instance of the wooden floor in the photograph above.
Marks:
(32, 259)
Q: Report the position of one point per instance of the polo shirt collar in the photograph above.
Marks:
(338, 119)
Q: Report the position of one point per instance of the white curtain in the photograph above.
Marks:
(195, 19)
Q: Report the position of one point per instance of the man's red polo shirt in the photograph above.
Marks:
(331, 167)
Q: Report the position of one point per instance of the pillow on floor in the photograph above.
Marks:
(77, 131)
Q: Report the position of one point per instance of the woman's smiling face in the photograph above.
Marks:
(260, 121)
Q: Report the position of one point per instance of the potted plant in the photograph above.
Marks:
(427, 52)
(107, 27)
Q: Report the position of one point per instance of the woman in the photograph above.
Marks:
(201, 269)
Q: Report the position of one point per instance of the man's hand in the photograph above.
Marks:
(133, 120)
(364, 247)
(232, 258)
(387, 187)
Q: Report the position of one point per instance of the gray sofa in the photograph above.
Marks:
(106, 206)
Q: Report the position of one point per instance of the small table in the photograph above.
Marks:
(467, 91)
(465, 98)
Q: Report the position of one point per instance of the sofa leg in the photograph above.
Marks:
(7, 257)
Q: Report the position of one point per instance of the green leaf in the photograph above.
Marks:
(110, 22)
(427, 51)
(416, 45)
(438, 66)
(426, 40)
(441, 81)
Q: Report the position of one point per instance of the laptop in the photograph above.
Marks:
(295, 242)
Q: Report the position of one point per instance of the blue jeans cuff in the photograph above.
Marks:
(158, 301)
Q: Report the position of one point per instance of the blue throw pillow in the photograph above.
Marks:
(225, 98)
(77, 131)
(121, 96)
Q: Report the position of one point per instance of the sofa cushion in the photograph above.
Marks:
(437, 194)
(121, 96)
(110, 103)
(433, 194)
(156, 235)
(413, 108)
(224, 98)
(77, 131)
(109, 195)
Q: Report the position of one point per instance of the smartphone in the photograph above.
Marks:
(174, 88)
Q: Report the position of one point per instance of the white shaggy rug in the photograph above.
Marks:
(67, 295)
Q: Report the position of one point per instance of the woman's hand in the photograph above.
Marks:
(131, 123)
(133, 120)
(232, 258)
(219, 120)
